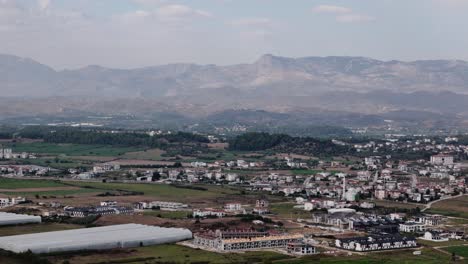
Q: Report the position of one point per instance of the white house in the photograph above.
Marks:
(434, 236)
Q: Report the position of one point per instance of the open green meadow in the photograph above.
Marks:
(461, 250)
(8, 183)
(163, 191)
(54, 193)
(456, 207)
(34, 228)
(179, 254)
(287, 210)
(168, 214)
(57, 163)
(172, 254)
(428, 256)
(72, 149)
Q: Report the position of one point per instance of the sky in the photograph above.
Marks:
(69, 34)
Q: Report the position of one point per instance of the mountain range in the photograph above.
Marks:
(328, 86)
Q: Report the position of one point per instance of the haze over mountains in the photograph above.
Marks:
(327, 86)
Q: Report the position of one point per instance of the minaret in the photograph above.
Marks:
(376, 177)
(344, 188)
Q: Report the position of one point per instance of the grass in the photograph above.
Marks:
(457, 221)
(56, 163)
(35, 228)
(286, 210)
(457, 207)
(7, 183)
(392, 204)
(458, 250)
(448, 213)
(175, 254)
(168, 214)
(179, 254)
(441, 244)
(388, 257)
(72, 149)
(163, 191)
(150, 154)
(55, 193)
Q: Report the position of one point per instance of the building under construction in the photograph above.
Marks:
(239, 240)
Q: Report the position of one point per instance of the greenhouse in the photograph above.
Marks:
(96, 238)
(16, 219)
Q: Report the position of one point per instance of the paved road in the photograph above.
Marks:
(428, 205)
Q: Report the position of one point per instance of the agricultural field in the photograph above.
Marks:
(457, 207)
(35, 228)
(31, 188)
(428, 256)
(53, 193)
(8, 183)
(149, 154)
(392, 204)
(441, 244)
(458, 250)
(168, 214)
(163, 191)
(286, 210)
(71, 149)
(169, 254)
(180, 254)
(57, 163)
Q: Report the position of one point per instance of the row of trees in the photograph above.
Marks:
(101, 137)
(286, 144)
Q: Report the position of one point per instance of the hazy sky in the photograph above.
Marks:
(133, 33)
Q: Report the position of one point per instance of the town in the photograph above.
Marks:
(405, 193)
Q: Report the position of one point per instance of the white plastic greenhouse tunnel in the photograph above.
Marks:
(96, 238)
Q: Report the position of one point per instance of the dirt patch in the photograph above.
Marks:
(135, 162)
(91, 199)
(150, 154)
(192, 224)
(218, 145)
(93, 158)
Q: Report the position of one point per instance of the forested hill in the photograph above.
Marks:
(286, 144)
(103, 137)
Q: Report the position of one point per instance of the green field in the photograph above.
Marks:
(72, 149)
(393, 204)
(163, 191)
(168, 214)
(7, 183)
(286, 210)
(34, 228)
(179, 254)
(441, 244)
(173, 254)
(389, 257)
(54, 193)
(452, 213)
(59, 163)
(458, 250)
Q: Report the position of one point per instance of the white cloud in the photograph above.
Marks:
(342, 14)
(179, 12)
(331, 9)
